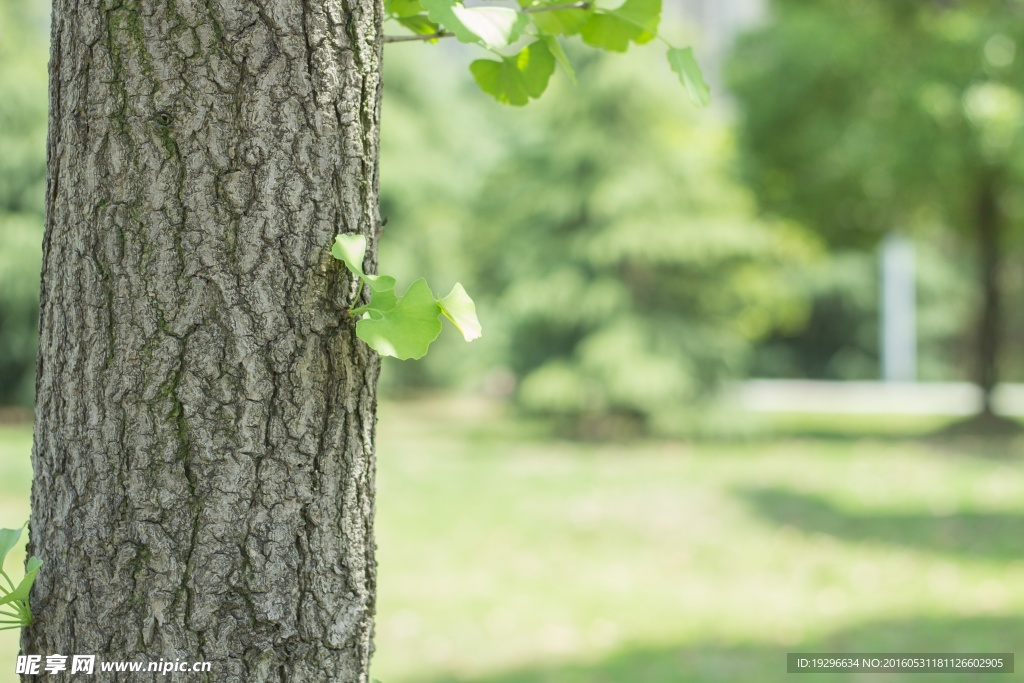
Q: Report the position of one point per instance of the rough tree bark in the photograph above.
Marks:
(204, 422)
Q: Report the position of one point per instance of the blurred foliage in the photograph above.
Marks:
(903, 108)
(23, 27)
(861, 118)
(840, 339)
(624, 264)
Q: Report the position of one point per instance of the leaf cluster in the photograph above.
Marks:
(14, 609)
(403, 326)
(525, 41)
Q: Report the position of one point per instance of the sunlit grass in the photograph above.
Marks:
(507, 558)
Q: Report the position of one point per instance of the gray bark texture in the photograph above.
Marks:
(205, 414)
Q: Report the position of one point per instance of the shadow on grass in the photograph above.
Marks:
(988, 444)
(762, 663)
(992, 535)
(976, 435)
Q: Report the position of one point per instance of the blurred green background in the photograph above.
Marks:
(583, 494)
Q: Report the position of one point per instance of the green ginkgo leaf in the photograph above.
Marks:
(461, 310)
(635, 21)
(407, 329)
(566, 22)
(441, 12)
(514, 80)
(497, 27)
(351, 249)
(419, 24)
(9, 539)
(21, 591)
(17, 598)
(403, 8)
(643, 13)
(559, 54)
(382, 301)
(685, 65)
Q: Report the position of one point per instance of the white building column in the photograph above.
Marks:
(898, 334)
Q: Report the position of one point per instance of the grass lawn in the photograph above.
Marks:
(505, 557)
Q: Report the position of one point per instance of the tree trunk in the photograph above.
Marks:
(204, 421)
(987, 225)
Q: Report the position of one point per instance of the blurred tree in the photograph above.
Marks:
(629, 272)
(860, 118)
(840, 339)
(22, 186)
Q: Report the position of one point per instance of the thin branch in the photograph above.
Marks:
(555, 8)
(405, 39)
(583, 5)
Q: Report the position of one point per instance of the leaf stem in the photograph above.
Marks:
(19, 617)
(555, 8)
(20, 611)
(431, 36)
(4, 574)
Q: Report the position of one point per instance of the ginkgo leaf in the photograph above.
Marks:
(8, 539)
(442, 12)
(381, 301)
(403, 8)
(21, 591)
(497, 27)
(460, 309)
(685, 65)
(559, 54)
(514, 80)
(643, 13)
(566, 22)
(635, 20)
(419, 24)
(406, 330)
(380, 283)
(351, 249)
